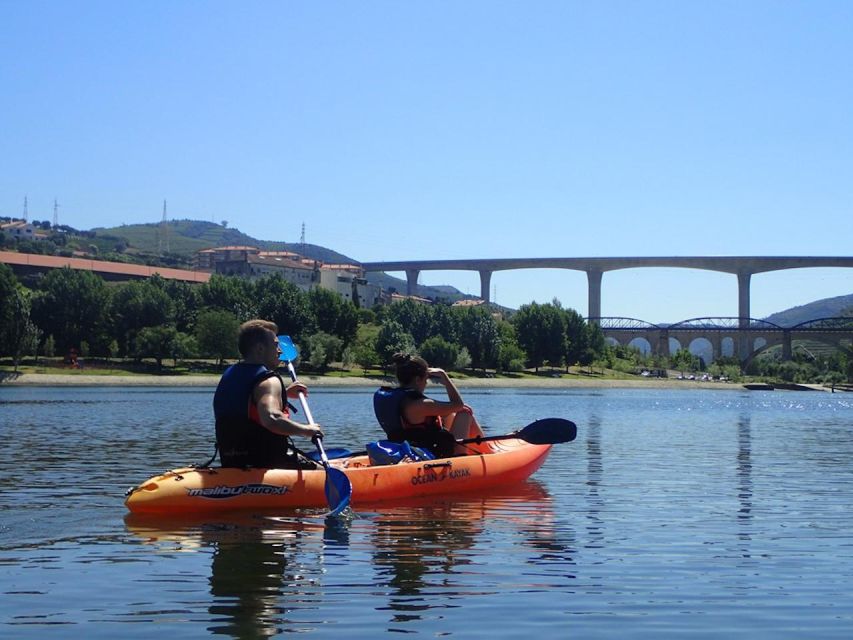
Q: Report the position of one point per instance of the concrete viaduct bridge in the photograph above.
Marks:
(741, 266)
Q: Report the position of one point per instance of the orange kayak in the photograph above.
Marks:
(217, 489)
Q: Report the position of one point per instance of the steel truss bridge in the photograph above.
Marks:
(742, 337)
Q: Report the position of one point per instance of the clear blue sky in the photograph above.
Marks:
(452, 129)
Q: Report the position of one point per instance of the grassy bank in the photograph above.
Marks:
(53, 372)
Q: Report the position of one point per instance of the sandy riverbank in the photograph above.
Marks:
(83, 379)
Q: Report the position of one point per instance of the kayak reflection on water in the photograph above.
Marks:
(266, 568)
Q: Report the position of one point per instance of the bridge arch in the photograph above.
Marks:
(619, 323)
(729, 336)
(724, 323)
(842, 323)
(642, 344)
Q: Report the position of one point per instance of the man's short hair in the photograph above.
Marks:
(254, 332)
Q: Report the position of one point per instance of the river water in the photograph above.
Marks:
(675, 513)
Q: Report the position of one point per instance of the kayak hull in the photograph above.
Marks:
(217, 489)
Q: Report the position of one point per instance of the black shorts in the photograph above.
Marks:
(438, 442)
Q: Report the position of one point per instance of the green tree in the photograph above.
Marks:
(790, 371)
(72, 306)
(285, 304)
(367, 316)
(683, 360)
(156, 342)
(832, 378)
(416, 317)
(112, 349)
(445, 322)
(184, 346)
(333, 314)
(186, 298)
(326, 307)
(463, 361)
(595, 339)
(732, 372)
(216, 334)
(229, 293)
(323, 349)
(364, 346)
(347, 323)
(479, 335)
(49, 348)
(391, 339)
(439, 352)
(140, 304)
(554, 334)
(577, 337)
(540, 329)
(21, 333)
(511, 356)
(587, 358)
(8, 286)
(347, 358)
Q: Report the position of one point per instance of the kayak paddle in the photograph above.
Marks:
(544, 431)
(338, 486)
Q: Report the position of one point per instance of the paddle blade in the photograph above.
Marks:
(338, 490)
(289, 352)
(548, 431)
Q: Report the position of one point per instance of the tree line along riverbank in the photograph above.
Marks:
(77, 316)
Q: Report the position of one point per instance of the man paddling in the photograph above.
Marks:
(253, 425)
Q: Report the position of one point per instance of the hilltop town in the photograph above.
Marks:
(206, 247)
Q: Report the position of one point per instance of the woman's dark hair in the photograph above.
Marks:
(409, 367)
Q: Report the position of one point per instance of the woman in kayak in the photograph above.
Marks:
(405, 413)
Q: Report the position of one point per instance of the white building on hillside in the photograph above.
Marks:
(347, 280)
(22, 230)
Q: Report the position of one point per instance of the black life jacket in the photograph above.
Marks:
(242, 441)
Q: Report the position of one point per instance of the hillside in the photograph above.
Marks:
(185, 237)
(826, 308)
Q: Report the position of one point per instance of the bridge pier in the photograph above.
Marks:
(485, 283)
(663, 343)
(787, 346)
(716, 341)
(593, 277)
(412, 281)
(744, 347)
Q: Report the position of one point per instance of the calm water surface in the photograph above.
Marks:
(675, 513)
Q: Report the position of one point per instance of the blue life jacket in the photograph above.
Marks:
(242, 441)
(388, 407)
